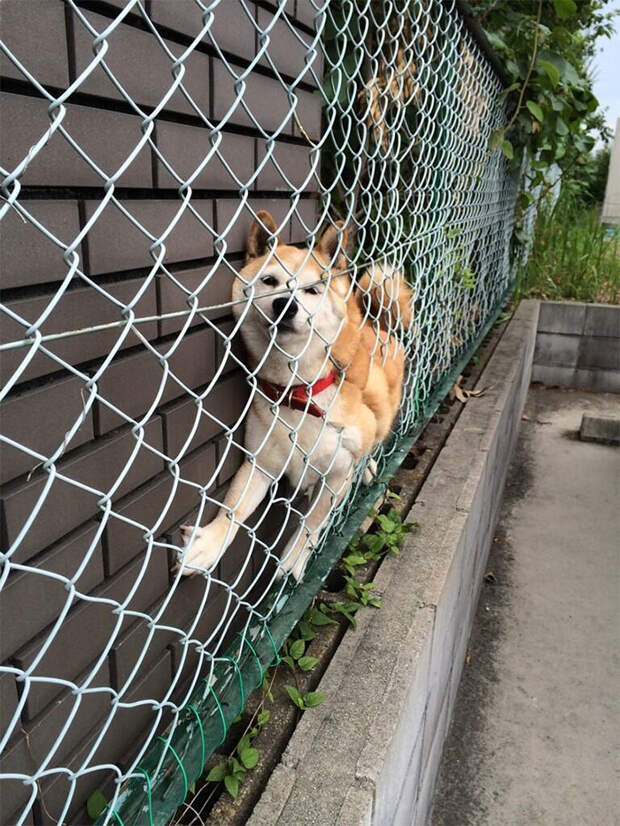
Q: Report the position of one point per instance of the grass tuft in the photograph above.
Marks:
(574, 257)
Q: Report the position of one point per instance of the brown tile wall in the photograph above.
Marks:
(77, 560)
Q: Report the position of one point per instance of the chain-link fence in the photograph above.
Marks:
(161, 390)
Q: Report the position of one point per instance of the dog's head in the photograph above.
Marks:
(293, 292)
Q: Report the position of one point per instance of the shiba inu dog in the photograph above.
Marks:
(329, 375)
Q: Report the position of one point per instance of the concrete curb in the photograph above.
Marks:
(370, 753)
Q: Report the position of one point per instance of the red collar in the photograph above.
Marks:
(299, 396)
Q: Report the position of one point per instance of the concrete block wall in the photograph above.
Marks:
(62, 191)
(370, 754)
(578, 345)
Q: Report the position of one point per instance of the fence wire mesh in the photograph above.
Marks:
(395, 228)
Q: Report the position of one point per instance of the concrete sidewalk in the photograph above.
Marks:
(535, 733)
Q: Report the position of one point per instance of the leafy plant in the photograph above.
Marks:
(573, 257)
(546, 49)
(310, 699)
(318, 616)
(355, 558)
(233, 770)
(465, 278)
(389, 537)
(361, 592)
(266, 686)
(294, 655)
(362, 550)
(347, 609)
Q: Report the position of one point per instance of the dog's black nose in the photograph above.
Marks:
(284, 308)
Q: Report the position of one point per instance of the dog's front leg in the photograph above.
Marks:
(205, 546)
(330, 491)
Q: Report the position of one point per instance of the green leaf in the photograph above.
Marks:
(508, 150)
(554, 59)
(96, 803)
(386, 523)
(496, 41)
(318, 618)
(305, 631)
(218, 773)
(289, 661)
(551, 71)
(297, 649)
(243, 744)
(374, 542)
(313, 699)
(295, 696)
(249, 757)
(307, 663)
(354, 559)
(513, 70)
(535, 110)
(495, 141)
(560, 127)
(232, 785)
(565, 8)
(266, 688)
(347, 609)
(263, 717)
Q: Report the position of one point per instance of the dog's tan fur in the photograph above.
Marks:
(339, 327)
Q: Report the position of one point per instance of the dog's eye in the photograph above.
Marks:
(311, 290)
(269, 281)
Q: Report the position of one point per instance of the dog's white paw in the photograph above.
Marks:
(293, 561)
(203, 548)
(370, 472)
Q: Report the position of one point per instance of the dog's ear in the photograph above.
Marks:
(333, 245)
(262, 230)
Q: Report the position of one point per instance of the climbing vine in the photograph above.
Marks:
(546, 47)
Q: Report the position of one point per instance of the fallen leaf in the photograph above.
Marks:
(525, 417)
(462, 394)
(457, 391)
(489, 577)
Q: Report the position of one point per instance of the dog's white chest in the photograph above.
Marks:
(303, 446)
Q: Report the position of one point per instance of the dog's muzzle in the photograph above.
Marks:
(284, 309)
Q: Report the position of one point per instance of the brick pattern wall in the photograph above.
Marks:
(578, 345)
(62, 191)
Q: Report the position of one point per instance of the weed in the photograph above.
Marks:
(311, 699)
(372, 546)
(361, 592)
(572, 258)
(294, 654)
(233, 770)
(389, 537)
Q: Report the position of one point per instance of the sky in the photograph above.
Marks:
(607, 72)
